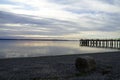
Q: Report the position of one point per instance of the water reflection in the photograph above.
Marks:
(9, 49)
(50, 43)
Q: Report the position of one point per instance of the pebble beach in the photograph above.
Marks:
(60, 67)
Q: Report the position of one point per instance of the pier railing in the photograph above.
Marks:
(103, 43)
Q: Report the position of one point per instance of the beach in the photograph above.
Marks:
(60, 67)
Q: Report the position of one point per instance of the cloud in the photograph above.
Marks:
(59, 17)
(111, 6)
(24, 25)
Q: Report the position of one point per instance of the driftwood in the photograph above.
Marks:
(85, 64)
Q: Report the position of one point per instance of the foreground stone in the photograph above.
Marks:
(85, 64)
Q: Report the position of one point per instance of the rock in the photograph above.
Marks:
(106, 70)
(85, 64)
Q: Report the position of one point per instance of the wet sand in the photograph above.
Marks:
(60, 68)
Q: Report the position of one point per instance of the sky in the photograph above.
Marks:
(60, 19)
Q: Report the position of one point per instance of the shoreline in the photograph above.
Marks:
(64, 55)
(58, 67)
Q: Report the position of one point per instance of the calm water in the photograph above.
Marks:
(10, 49)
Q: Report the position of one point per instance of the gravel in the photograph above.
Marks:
(60, 68)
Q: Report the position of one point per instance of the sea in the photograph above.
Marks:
(29, 48)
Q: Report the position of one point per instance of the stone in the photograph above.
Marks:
(85, 64)
(106, 69)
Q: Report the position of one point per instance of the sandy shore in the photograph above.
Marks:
(59, 68)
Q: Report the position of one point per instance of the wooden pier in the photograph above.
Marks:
(108, 43)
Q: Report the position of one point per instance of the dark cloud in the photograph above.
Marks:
(55, 27)
(107, 22)
(7, 17)
(10, 18)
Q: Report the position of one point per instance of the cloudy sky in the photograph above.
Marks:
(73, 19)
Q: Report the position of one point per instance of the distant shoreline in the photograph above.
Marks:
(41, 39)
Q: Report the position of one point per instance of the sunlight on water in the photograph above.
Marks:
(9, 49)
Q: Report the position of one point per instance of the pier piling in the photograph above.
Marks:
(103, 43)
